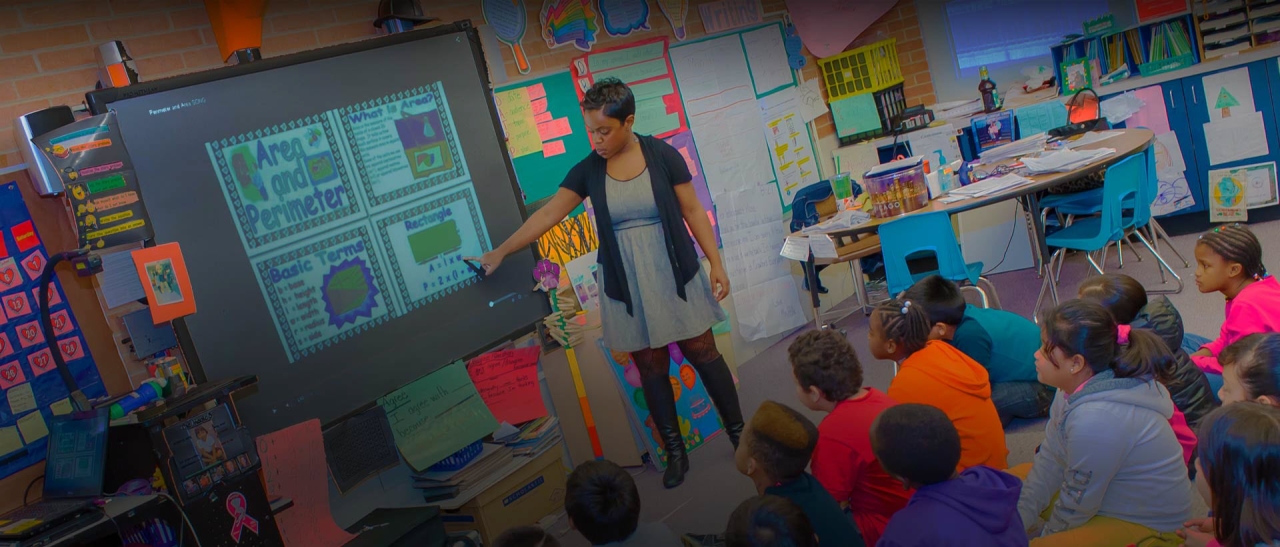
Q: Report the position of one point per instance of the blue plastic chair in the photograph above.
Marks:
(920, 233)
(1122, 181)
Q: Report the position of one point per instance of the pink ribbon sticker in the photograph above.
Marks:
(237, 507)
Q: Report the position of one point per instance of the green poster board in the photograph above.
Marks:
(540, 174)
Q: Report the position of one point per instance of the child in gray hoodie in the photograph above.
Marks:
(1110, 471)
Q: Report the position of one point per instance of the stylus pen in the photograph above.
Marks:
(478, 270)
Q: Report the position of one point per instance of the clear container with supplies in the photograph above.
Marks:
(897, 187)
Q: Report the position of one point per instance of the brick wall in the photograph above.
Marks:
(46, 46)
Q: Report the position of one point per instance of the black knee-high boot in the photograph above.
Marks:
(662, 408)
(719, 381)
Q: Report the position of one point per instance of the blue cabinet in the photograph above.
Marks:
(1261, 75)
(1176, 107)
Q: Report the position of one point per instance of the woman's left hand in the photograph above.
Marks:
(719, 283)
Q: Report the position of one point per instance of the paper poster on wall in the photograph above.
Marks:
(676, 12)
(1153, 114)
(827, 27)
(1259, 182)
(767, 57)
(1228, 94)
(1169, 153)
(1228, 195)
(697, 416)
(516, 115)
(622, 17)
(931, 141)
(1173, 194)
(811, 103)
(792, 156)
(508, 19)
(1039, 118)
(645, 67)
(437, 415)
(720, 101)
(571, 238)
(508, 383)
(856, 114)
(766, 301)
(566, 22)
(164, 278)
(722, 15)
(683, 143)
(1239, 137)
(582, 272)
(540, 174)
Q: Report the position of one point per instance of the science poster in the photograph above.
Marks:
(425, 244)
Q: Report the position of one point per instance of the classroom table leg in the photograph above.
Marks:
(860, 286)
(811, 275)
(1031, 205)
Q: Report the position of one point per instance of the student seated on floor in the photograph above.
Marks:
(1229, 261)
(1004, 343)
(935, 373)
(1237, 478)
(776, 446)
(829, 379)
(977, 507)
(769, 521)
(603, 505)
(1110, 470)
(1251, 370)
(526, 536)
(1127, 301)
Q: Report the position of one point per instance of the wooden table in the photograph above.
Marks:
(1127, 143)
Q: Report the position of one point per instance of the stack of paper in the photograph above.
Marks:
(1065, 160)
(1092, 137)
(843, 220)
(985, 187)
(1020, 147)
(534, 437)
(443, 485)
(956, 109)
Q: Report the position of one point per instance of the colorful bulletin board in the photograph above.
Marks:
(645, 67)
(33, 389)
(698, 418)
(555, 121)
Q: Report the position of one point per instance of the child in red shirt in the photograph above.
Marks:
(829, 379)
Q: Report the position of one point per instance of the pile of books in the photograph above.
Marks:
(533, 437)
(443, 485)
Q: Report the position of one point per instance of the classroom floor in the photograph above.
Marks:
(713, 487)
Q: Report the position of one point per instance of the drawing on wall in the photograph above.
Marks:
(675, 11)
(508, 19)
(622, 17)
(567, 22)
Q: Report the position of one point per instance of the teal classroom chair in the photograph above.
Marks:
(931, 232)
(1123, 181)
(1140, 205)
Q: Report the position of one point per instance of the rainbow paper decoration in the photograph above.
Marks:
(569, 22)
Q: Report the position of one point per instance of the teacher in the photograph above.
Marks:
(657, 292)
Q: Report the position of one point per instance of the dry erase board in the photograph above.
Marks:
(323, 202)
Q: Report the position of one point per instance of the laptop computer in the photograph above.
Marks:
(73, 476)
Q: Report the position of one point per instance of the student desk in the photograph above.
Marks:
(852, 246)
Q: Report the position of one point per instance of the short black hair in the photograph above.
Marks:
(825, 359)
(916, 442)
(940, 298)
(781, 440)
(526, 536)
(1120, 294)
(602, 501)
(612, 97)
(769, 521)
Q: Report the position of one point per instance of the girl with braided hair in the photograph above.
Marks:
(1229, 261)
(935, 373)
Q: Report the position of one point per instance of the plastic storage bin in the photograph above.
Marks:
(897, 188)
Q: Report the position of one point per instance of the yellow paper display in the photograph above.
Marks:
(518, 121)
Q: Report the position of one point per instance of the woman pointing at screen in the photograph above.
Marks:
(656, 290)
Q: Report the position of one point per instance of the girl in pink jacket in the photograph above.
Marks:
(1229, 261)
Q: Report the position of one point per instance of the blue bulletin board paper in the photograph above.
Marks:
(540, 174)
(26, 361)
(855, 114)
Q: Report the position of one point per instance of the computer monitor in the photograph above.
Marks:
(76, 457)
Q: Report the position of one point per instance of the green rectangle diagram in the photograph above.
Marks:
(434, 241)
(636, 72)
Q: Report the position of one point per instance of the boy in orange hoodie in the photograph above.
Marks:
(935, 373)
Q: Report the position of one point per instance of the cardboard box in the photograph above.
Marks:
(607, 407)
(523, 498)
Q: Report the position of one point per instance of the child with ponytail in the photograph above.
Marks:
(934, 373)
(1229, 261)
(1110, 471)
(1238, 456)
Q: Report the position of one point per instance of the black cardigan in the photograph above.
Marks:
(666, 170)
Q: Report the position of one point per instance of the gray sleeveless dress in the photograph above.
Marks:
(659, 317)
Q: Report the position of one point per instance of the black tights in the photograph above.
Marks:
(656, 362)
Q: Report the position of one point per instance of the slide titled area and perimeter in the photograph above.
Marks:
(352, 227)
